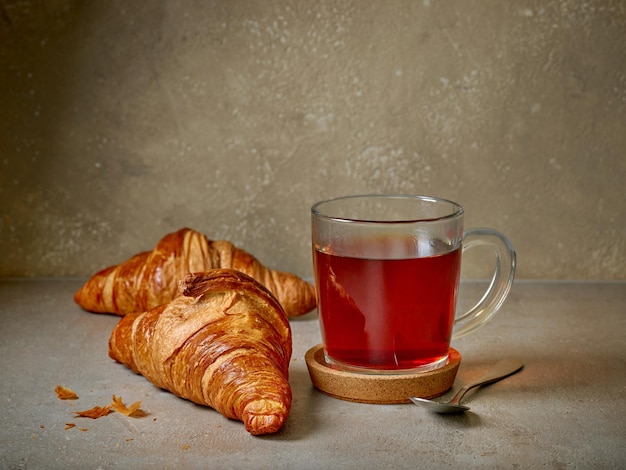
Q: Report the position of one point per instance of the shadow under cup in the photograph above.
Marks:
(387, 273)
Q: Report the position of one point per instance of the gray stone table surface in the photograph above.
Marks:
(565, 409)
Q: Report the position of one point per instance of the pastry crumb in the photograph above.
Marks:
(133, 410)
(95, 412)
(65, 393)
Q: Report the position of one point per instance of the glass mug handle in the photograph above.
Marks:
(500, 284)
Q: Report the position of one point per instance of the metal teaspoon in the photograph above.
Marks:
(499, 371)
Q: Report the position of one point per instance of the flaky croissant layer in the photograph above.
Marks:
(225, 343)
(151, 278)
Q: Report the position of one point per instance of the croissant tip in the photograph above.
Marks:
(259, 425)
(266, 416)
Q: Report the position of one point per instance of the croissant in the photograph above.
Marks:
(225, 343)
(151, 278)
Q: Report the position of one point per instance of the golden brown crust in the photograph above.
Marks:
(151, 278)
(225, 343)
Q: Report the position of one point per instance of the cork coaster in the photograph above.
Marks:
(380, 389)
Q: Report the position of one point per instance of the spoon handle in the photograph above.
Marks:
(499, 371)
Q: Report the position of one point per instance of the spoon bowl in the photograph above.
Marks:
(499, 371)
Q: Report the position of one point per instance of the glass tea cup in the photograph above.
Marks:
(387, 271)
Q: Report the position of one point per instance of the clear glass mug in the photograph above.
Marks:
(387, 271)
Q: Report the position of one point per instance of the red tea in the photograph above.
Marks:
(383, 313)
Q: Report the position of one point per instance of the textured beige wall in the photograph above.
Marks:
(122, 121)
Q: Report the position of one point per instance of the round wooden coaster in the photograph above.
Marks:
(380, 389)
